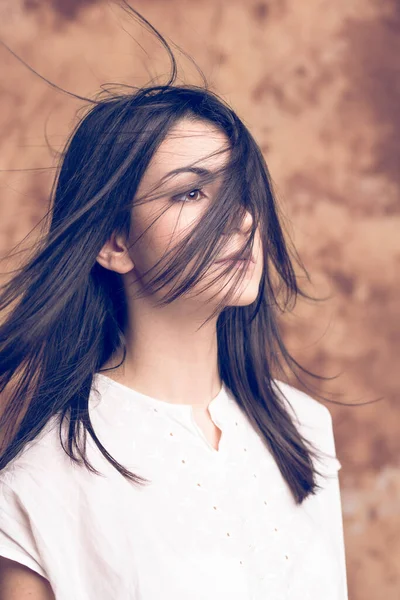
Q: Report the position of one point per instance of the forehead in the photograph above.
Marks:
(186, 143)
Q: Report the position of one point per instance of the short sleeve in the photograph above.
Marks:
(330, 502)
(17, 541)
(314, 421)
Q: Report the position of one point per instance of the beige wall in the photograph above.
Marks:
(318, 84)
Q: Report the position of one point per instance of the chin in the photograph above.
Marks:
(245, 294)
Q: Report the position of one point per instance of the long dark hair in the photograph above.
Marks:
(66, 314)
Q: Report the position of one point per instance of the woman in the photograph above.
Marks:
(203, 475)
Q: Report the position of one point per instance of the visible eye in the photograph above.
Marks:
(193, 196)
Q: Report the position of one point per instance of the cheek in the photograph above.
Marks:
(156, 234)
(167, 231)
(174, 224)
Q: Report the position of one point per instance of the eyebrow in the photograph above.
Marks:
(197, 170)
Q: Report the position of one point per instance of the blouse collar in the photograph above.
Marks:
(216, 406)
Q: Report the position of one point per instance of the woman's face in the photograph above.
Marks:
(155, 230)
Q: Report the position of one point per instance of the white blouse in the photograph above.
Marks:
(212, 525)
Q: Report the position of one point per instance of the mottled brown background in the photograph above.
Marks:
(318, 84)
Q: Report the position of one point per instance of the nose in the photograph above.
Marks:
(247, 222)
(245, 226)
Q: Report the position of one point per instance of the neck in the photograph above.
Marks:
(169, 358)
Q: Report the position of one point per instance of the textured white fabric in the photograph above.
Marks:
(212, 525)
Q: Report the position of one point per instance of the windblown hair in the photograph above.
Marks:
(66, 315)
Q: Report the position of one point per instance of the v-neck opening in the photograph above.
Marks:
(181, 413)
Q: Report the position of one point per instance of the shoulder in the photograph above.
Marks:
(32, 489)
(313, 420)
(304, 408)
(40, 464)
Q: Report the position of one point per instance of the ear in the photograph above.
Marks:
(114, 255)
